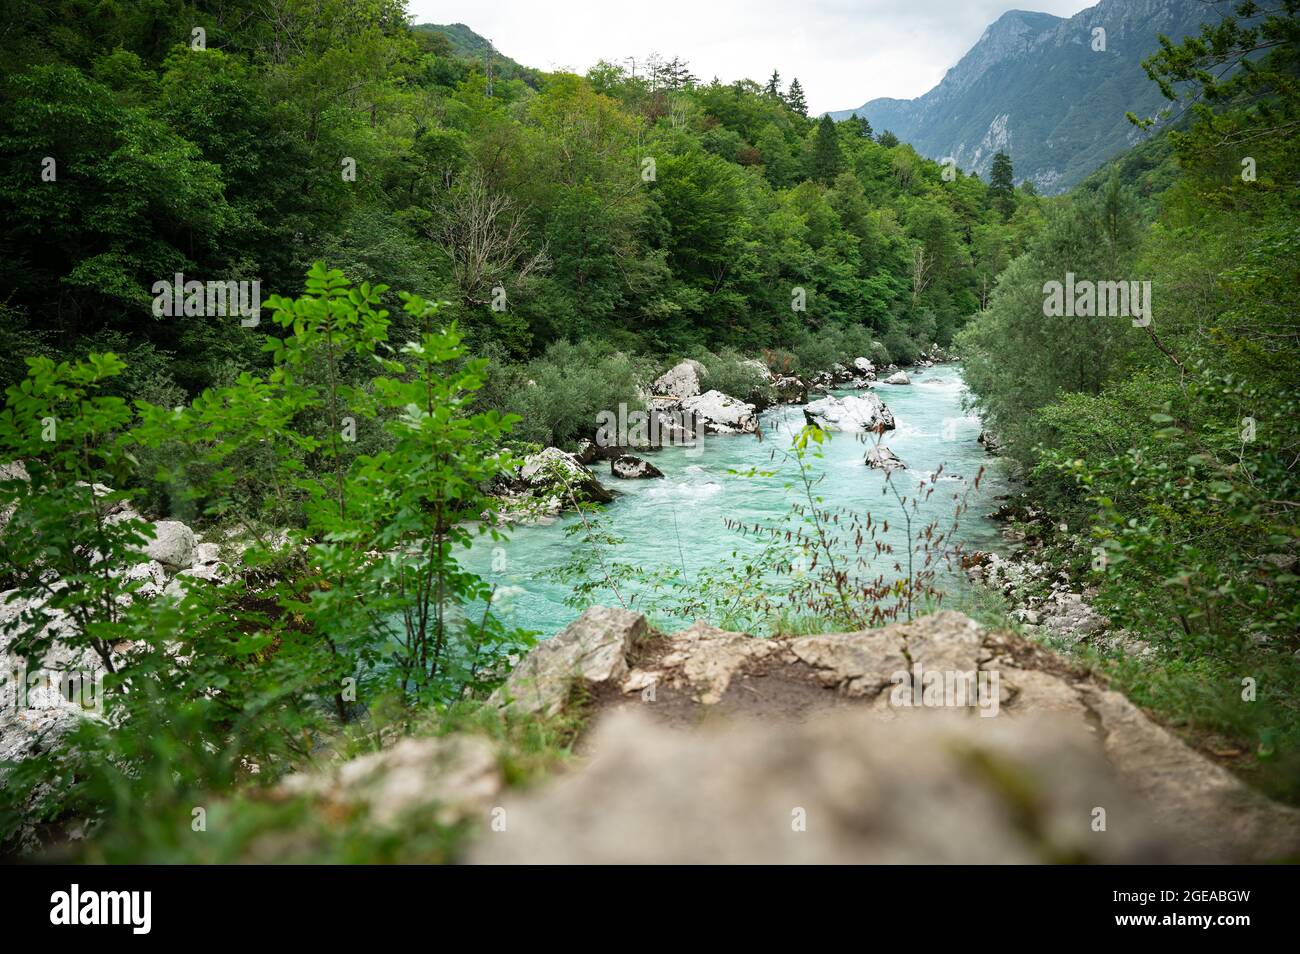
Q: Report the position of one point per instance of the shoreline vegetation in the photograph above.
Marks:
(250, 528)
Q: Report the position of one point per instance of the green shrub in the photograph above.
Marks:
(902, 349)
(732, 373)
(558, 396)
(370, 604)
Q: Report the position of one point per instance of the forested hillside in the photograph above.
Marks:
(1165, 449)
(652, 212)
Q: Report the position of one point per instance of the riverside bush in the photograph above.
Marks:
(368, 603)
(556, 397)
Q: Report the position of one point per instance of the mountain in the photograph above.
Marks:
(464, 43)
(1034, 87)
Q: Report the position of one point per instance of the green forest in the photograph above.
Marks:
(464, 260)
(653, 214)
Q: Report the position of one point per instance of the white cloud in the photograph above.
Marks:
(844, 52)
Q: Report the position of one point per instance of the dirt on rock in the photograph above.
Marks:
(933, 740)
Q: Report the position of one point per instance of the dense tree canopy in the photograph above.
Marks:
(634, 203)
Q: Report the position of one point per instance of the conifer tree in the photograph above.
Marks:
(826, 160)
(1002, 185)
(795, 100)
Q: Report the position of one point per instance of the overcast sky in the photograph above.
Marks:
(844, 52)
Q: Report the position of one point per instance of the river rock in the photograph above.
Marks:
(680, 381)
(673, 426)
(629, 467)
(990, 441)
(860, 412)
(881, 457)
(898, 377)
(842, 375)
(552, 473)
(762, 394)
(721, 414)
(589, 453)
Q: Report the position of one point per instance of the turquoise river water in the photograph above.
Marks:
(680, 521)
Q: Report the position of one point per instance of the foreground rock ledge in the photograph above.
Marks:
(814, 760)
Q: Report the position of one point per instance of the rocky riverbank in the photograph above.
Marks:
(174, 559)
(681, 409)
(1042, 597)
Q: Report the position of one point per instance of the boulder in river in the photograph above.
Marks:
(628, 467)
(554, 474)
(881, 457)
(721, 414)
(865, 412)
(841, 374)
(671, 426)
(898, 377)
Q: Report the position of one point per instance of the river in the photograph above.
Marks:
(679, 523)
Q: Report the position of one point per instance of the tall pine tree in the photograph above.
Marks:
(794, 99)
(1002, 186)
(827, 160)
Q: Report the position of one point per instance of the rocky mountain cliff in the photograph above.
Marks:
(1035, 87)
